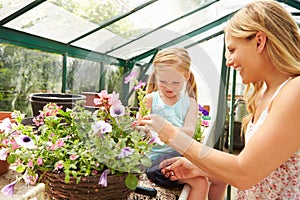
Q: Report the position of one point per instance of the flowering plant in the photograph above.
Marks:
(202, 123)
(77, 142)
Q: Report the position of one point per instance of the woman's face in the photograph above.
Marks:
(170, 81)
(241, 54)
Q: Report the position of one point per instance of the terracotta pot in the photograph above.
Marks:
(6, 114)
(90, 96)
(4, 166)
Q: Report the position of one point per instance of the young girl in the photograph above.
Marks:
(172, 93)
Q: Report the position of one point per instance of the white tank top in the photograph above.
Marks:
(284, 182)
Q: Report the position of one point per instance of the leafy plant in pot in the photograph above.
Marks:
(79, 144)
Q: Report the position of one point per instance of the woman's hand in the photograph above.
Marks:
(179, 168)
(163, 128)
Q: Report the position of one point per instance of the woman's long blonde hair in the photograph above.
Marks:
(179, 59)
(282, 45)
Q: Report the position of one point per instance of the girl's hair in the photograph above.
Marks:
(282, 45)
(177, 58)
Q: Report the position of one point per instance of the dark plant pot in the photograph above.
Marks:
(39, 100)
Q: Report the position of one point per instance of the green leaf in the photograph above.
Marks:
(131, 181)
(11, 158)
(20, 168)
(146, 161)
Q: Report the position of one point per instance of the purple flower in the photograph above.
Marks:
(131, 76)
(126, 151)
(103, 178)
(202, 110)
(101, 127)
(9, 189)
(139, 85)
(154, 139)
(25, 141)
(117, 110)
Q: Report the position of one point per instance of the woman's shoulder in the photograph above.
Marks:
(293, 86)
(290, 93)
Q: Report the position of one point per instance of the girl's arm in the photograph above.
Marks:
(277, 139)
(190, 120)
(149, 98)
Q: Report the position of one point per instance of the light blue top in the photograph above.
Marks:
(175, 114)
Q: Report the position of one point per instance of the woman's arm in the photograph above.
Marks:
(277, 139)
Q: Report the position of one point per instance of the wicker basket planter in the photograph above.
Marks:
(87, 188)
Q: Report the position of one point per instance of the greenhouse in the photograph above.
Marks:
(82, 47)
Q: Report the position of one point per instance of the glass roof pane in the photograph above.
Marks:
(182, 26)
(64, 21)
(50, 21)
(8, 7)
(130, 27)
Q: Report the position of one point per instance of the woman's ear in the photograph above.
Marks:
(260, 39)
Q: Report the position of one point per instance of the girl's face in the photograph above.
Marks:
(241, 54)
(170, 81)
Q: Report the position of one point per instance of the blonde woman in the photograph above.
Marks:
(263, 42)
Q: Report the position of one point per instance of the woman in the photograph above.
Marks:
(262, 41)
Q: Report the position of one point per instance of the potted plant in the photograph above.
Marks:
(76, 145)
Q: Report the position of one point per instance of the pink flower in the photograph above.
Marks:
(51, 109)
(60, 143)
(94, 172)
(39, 161)
(30, 179)
(73, 157)
(59, 165)
(141, 84)
(30, 163)
(114, 99)
(131, 76)
(205, 123)
(39, 120)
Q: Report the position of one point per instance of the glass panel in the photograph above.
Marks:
(8, 7)
(64, 21)
(83, 76)
(24, 71)
(53, 22)
(182, 26)
(138, 23)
